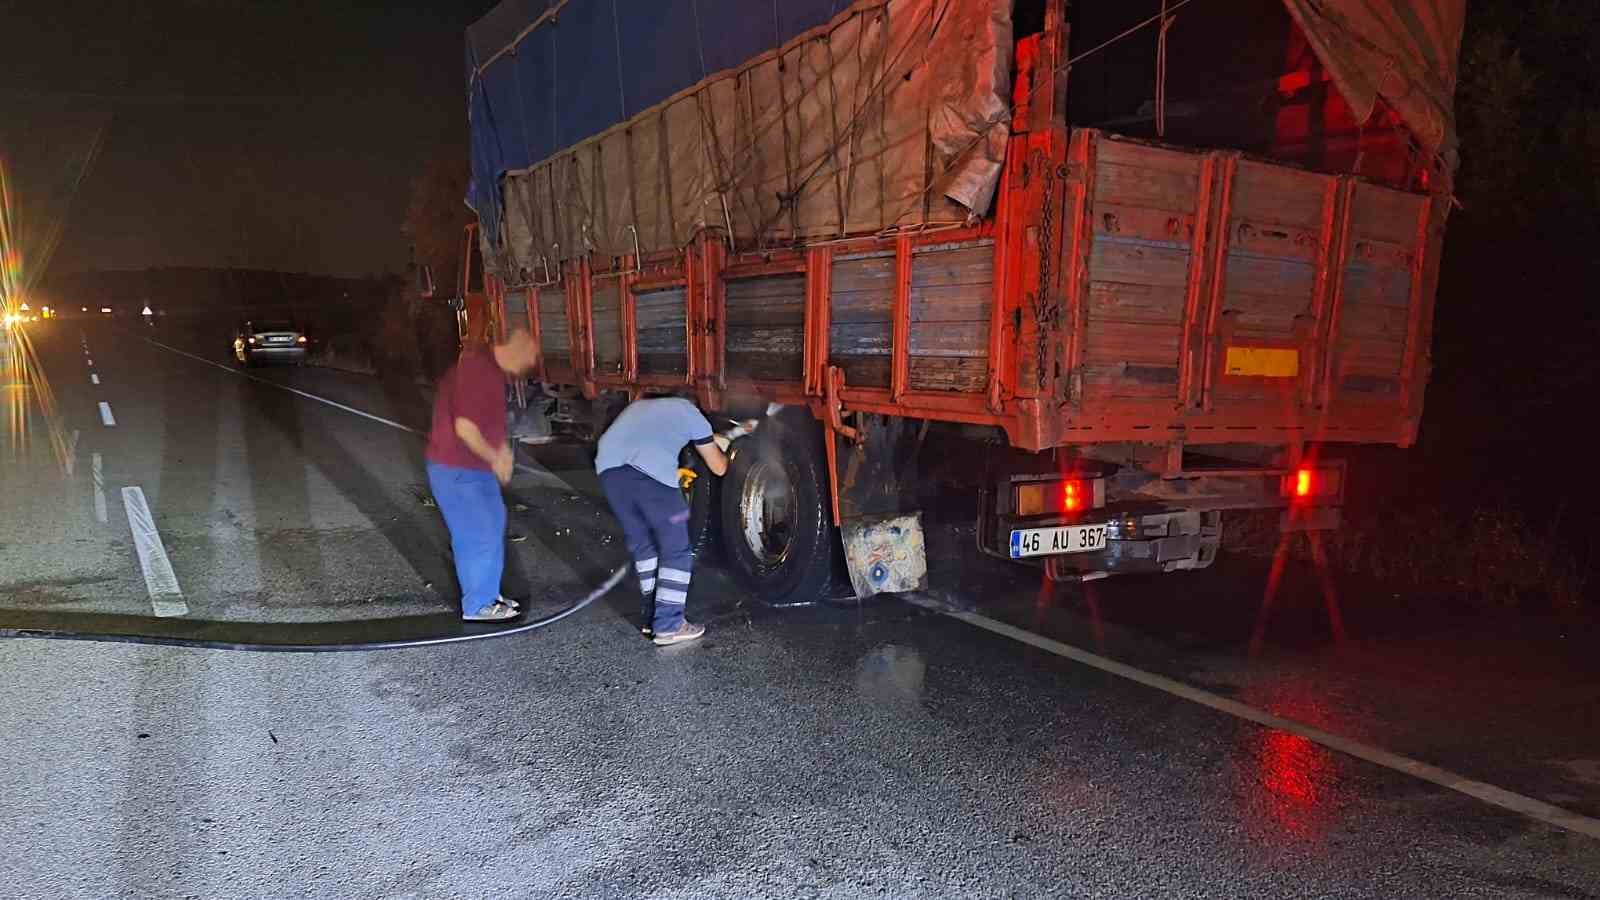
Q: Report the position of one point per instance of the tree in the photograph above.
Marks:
(1529, 104)
(438, 213)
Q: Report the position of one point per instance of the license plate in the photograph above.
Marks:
(1065, 539)
(280, 340)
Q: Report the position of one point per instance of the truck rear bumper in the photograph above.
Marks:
(1146, 535)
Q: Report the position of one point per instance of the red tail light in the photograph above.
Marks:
(1308, 483)
(1072, 495)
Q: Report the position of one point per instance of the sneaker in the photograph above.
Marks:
(498, 611)
(688, 631)
(647, 630)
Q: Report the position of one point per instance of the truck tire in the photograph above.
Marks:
(777, 519)
(704, 497)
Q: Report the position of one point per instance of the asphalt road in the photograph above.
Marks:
(884, 750)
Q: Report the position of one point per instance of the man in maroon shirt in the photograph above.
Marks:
(468, 459)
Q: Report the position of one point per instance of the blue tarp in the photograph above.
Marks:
(595, 63)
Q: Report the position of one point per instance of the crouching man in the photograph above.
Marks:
(638, 464)
(468, 459)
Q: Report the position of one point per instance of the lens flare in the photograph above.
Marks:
(22, 378)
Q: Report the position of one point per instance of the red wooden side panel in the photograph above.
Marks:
(765, 326)
(1144, 213)
(1379, 295)
(951, 295)
(605, 309)
(555, 337)
(1274, 234)
(861, 333)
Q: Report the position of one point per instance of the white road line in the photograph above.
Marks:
(1488, 793)
(93, 378)
(543, 476)
(99, 491)
(106, 417)
(333, 403)
(72, 453)
(166, 598)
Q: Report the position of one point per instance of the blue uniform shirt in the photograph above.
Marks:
(649, 435)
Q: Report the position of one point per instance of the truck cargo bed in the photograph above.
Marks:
(1204, 297)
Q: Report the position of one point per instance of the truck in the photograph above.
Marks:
(1142, 263)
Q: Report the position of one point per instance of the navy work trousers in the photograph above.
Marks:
(655, 524)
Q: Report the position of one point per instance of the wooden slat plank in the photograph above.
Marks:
(1121, 341)
(765, 366)
(864, 370)
(1258, 310)
(1139, 262)
(1143, 222)
(855, 338)
(606, 297)
(553, 299)
(1100, 388)
(873, 274)
(1160, 180)
(1115, 152)
(967, 265)
(1359, 383)
(969, 339)
(1122, 302)
(764, 339)
(662, 364)
(1377, 285)
(1361, 322)
(1371, 355)
(1269, 193)
(553, 334)
(663, 340)
(944, 373)
(1289, 278)
(790, 314)
(1385, 214)
(951, 303)
(860, 306)
(655, 311)
(764, 288)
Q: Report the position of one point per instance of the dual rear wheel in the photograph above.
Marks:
(770, 513)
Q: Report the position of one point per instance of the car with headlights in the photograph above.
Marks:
(260, 341)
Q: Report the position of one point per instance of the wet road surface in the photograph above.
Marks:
(881, 750)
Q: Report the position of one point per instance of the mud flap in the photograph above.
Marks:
(885, 554)
(530, 425)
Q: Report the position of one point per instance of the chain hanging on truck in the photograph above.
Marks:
(1046, 313)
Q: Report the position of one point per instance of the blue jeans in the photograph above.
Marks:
(655, 524)
(475, 513)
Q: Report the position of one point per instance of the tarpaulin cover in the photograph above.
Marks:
(597, 124)
(1403, 51)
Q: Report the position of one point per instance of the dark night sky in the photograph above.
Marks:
(269, 133)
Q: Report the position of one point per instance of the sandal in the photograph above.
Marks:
(498, 611)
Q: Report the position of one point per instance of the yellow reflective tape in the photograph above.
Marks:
(1263, 362)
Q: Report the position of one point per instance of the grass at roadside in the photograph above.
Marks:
(1489, 555)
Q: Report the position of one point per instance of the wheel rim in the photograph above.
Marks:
(766, 512)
